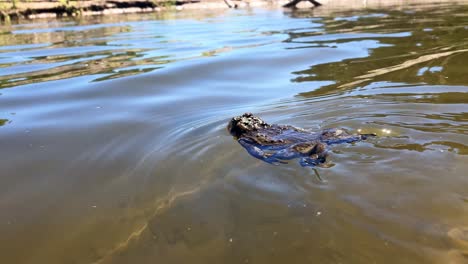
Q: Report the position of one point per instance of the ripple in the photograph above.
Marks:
(114, 132)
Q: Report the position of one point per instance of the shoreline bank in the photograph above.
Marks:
(32, 9)
(62, 8)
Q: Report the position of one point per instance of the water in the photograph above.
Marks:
(114, 148)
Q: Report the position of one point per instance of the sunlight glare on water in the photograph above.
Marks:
(114, 146)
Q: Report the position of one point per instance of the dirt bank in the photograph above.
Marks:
(11, 9)
(57, 8)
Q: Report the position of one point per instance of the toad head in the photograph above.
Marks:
(245, 123)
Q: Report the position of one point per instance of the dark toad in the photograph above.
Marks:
(276, 143)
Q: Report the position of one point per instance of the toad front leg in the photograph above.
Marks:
(311, 153)
(253, 149)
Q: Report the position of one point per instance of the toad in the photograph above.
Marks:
(275, 144)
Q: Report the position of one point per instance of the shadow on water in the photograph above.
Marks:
(118, 152)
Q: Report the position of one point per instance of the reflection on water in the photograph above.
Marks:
(114, 148)
(3, 121)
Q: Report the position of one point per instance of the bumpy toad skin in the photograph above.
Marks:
(276, 143)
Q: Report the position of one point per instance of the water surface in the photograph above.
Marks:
(114, 148)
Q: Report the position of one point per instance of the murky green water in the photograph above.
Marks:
(114, 148)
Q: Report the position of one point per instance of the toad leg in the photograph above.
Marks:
(256, 152)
